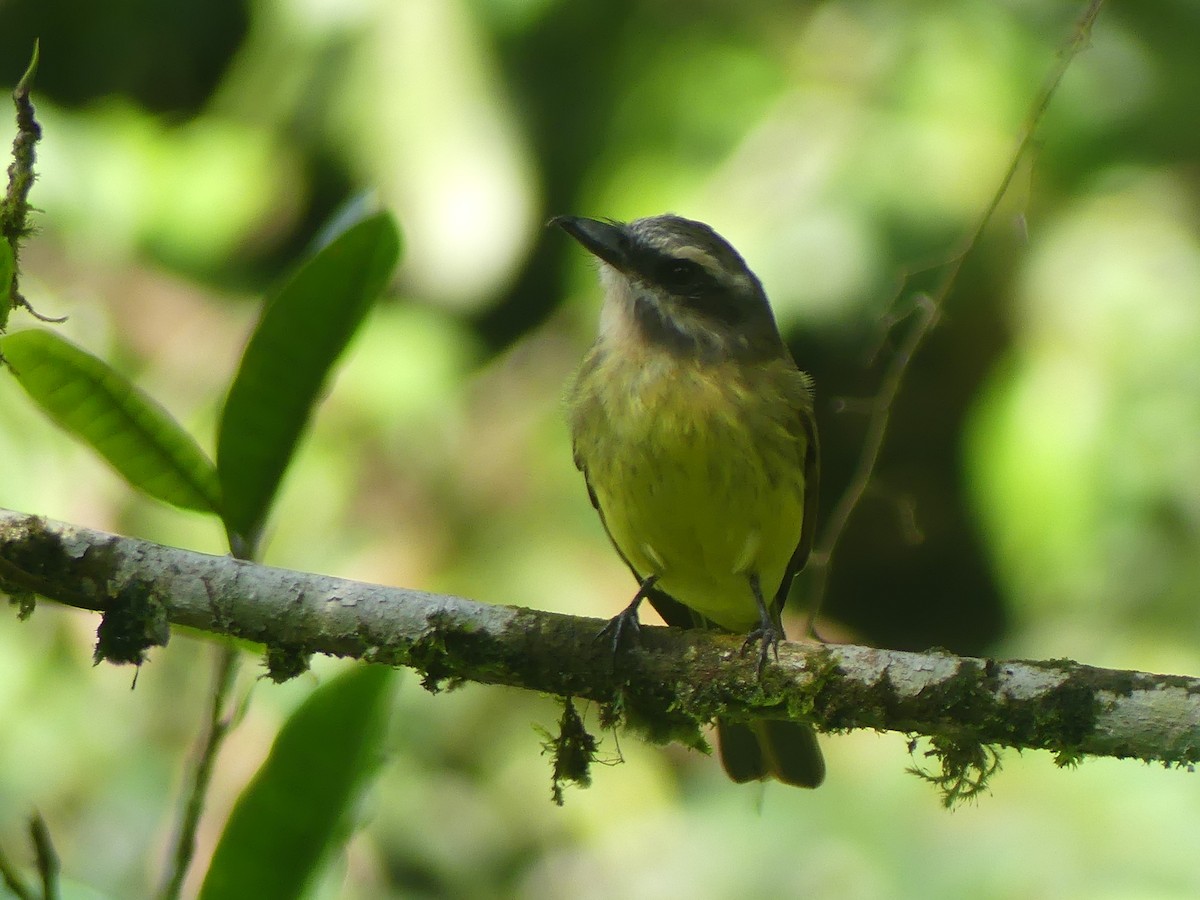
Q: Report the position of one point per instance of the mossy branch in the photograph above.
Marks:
(676, 681)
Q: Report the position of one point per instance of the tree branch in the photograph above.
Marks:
(676, 681)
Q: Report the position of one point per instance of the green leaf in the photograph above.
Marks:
(304, 328)
(124, 425)
(299, 805)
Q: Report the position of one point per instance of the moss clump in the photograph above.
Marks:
(285, 663)
(1070, 712)
(841, 704)
(429, 656)
(967, 697)
(573, 750)
(965, 766)
(135, 622)
(34, 555)
(826, 672)
(612, 714)
(450, 652)
(1059, 720)
(25, 603)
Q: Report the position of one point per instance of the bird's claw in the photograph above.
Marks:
(626, 621)
(624, 626)
(767, 637)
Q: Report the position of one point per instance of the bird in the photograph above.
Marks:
(696, 436)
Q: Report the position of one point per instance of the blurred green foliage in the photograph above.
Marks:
(1037, 495)
(295, 810)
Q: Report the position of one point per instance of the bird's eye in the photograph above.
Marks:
(681, 275)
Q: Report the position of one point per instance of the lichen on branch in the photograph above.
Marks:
(665, 689)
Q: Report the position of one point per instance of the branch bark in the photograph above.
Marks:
(667, 687)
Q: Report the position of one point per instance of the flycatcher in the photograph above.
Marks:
(694, 431)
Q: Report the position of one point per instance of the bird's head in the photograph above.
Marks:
(677, 284)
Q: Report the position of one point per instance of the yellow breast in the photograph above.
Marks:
(698, 471)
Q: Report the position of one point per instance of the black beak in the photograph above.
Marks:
(606, 240)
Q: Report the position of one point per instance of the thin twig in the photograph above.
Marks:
(927, 315)
(219, 722)
(928, 310)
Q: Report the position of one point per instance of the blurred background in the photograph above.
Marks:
(1038, 494)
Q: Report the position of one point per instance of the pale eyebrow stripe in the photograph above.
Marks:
(696, 255)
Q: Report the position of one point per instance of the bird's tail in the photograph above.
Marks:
(771, 748)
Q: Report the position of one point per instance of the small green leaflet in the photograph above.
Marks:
(98, 405)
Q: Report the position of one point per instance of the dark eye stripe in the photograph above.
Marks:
(684, 276)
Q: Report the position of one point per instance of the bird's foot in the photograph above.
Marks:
(769, 632)
(767, 636)
(625, 626)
